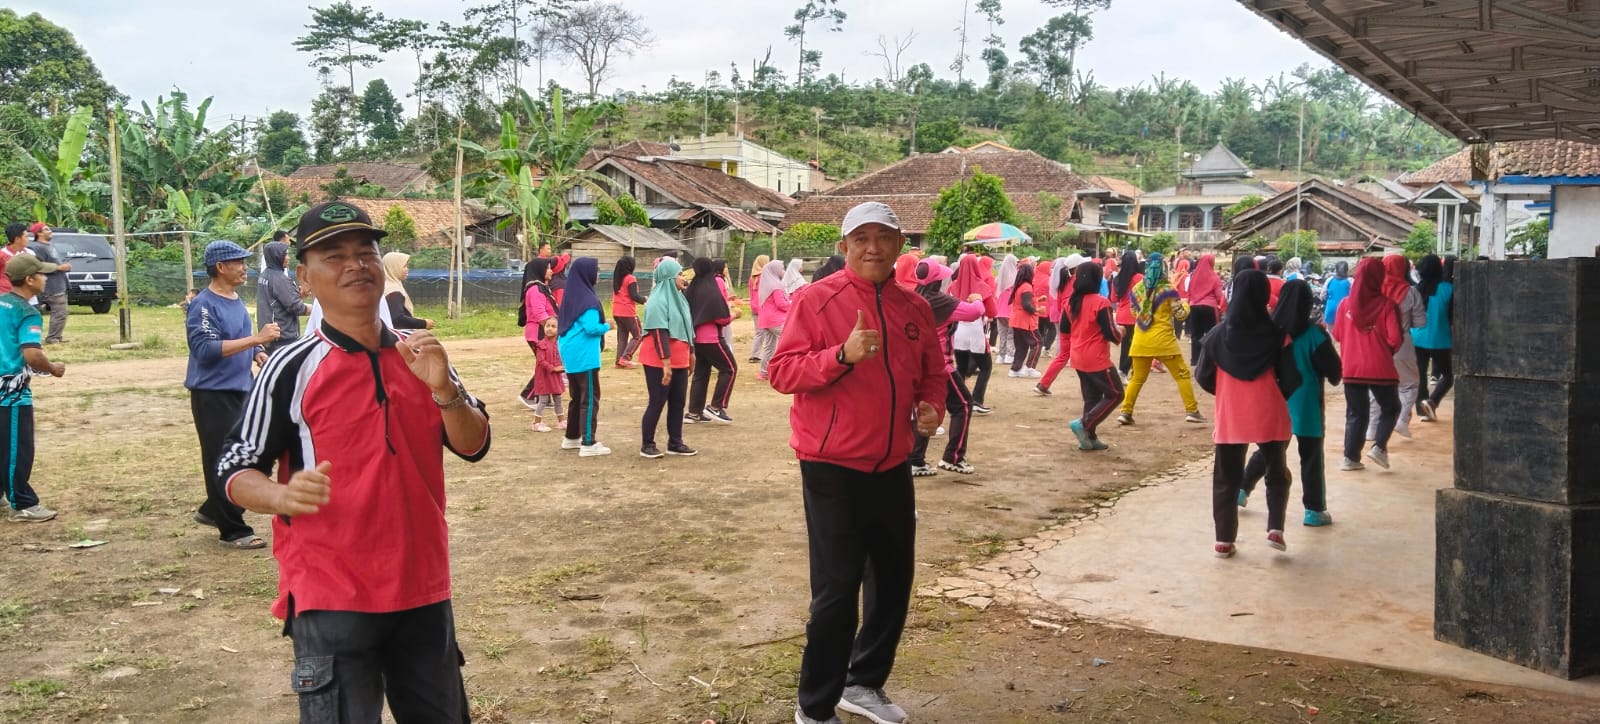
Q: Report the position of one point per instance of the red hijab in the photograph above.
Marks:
(905, 269)
(986, 273)
(1396, 277)
(1204, 281)
(1367, 300)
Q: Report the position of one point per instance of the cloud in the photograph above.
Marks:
(241, 54)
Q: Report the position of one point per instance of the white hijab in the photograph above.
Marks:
(1008, 275)
(772, 278)
(792, 278)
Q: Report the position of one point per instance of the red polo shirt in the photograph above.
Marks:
(381, 543)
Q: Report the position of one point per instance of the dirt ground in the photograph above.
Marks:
(624, 589)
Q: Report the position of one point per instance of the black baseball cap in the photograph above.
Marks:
(329, 219)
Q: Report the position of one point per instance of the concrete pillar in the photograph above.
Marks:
(1494, 224)
(1206, 224)
(1517, 540)
(1172, 213)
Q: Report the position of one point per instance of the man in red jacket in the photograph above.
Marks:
(861, 356)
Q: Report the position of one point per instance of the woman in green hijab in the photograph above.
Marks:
(667, 355)
(1159, 311)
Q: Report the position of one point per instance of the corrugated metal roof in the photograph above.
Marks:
(741, 220)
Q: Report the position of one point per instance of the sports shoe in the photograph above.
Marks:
(939, 432)
(712, 414)
(1429, 414)
(1032, 373)
(35, 514)
(1348, 465)
(1244, 498)
(981, 410)
(1006, 359)
(1013, 373)
(762, 376)
(1275, 539)
(1194, 417)
(649, 451)
(1379, 456)
(1317, 519)
(960, 467)
(679, 448)
(540, 427)
(753, 359)
(1124, 418)
(593, 451)
(872, 704)
(689, 418)
(923, 471)
(203, 519)
(1404, 432)
(1084, 443)
(1223, 550)
(801, 718)
(1041, 390)
(568, 443)
(1099, 444)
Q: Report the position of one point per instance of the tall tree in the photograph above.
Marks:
(44, 75)
(994, 46)
(973, 201)
(380, 112)
(1052, 50)
(522, 28)
(333, 123)
(814, 11)
(282, 145)
(415, 36)
(596, 33)
(343, 35)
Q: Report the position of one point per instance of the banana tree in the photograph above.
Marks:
(190, 212)
(533, 172)
(53, 183)
(168, 146)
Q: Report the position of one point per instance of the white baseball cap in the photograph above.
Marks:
(1076, 260)
(871, 212)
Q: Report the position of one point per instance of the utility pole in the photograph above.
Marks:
(119, 235)
(1300, 171)
(818, 139)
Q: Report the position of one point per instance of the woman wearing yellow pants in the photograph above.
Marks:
(1160, 311)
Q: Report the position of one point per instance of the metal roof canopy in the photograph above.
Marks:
(1479, 70)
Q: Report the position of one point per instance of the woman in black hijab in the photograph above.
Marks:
(625, 301)
(833, 265)
(1122, 299)
(931, 277)
(1434, 340)
(708, 307)
(1246, 363)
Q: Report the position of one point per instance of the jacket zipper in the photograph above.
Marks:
(883, 351)
(832, 418)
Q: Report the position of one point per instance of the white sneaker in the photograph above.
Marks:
(939, 432)
(1032, 373)
(923, 471)
(1013, 373)
(1379, 456)
(593, 451)
(961, 467)
(1348, 465)
(571, 443)
(32, 514)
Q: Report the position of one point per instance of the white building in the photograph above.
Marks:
(741, 158)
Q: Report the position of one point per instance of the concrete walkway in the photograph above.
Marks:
(1361, 589)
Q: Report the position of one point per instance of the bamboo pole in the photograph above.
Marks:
(458, 245)
(188, 266)
(119, 234)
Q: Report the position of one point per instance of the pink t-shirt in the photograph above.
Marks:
(539, 309)
(5, 281)
(1250, 411)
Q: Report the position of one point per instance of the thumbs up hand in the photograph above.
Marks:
(863, 343)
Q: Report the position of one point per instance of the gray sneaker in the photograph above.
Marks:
(1348, 465)
(872, 704)
(801, 718)
(35, 514)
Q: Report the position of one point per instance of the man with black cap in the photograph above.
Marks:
(279, 299)
(54, 295)
(221, 348)
(861, 356)
(356, 417)
(20, 354)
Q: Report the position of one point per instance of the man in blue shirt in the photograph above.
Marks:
(21, 331)
(221, 349)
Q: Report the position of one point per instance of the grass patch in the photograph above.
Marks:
(600, 653)
(537, 587)
(13, 612)
(476, 322)
(37, 688)
(984, 545)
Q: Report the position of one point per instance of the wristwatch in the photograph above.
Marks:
(451, 404)
(841, 359)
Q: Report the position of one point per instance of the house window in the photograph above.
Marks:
(1153, 218)
(1216, 218)
(1191, 218)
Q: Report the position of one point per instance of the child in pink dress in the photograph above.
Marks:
(549, 378)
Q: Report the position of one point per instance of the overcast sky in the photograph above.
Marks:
(241, 53)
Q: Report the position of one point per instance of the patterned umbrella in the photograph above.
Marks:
(997, 233)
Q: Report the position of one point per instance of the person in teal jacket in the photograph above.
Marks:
(1434, 341)
(1337, 288)
(1317, 360)
(581, 329)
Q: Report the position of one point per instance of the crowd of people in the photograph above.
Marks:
(882, 349)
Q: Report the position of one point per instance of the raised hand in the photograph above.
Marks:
(425, 355)
(863, 343)
(927, 419)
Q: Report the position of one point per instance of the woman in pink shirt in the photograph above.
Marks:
(708, 307)
(772, 311)
(1247, 364)
(538, 304)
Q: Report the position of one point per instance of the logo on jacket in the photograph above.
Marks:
(913, 332)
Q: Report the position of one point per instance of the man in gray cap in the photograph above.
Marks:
(221, 348)
(861, 357)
